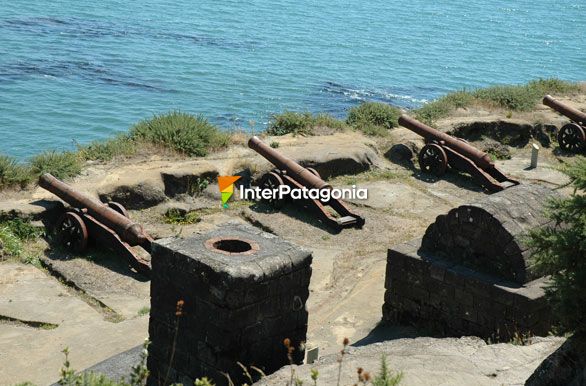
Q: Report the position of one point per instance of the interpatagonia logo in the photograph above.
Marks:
(226, 184)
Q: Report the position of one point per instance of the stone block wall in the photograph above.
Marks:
(424, 288)
(232, 295)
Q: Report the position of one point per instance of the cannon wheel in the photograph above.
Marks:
(314, 172)
(571, 137)
(72, 232)
(118, 208)
(433, 159)
(271, 181)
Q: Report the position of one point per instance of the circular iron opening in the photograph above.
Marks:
(232, 246)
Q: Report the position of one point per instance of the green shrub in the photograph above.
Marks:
(561, 248)
(12, 235)
(373, 130)
(326, 120)
(120, 146)
(443, 106)
(295, 123)
(369, 114)
(10, 244)
(185, 133)
(291, 122)
(12, 173)
(61, 165)
(178, 217)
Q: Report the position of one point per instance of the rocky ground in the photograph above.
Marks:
(95, 305)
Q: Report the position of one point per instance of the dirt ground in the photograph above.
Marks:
(95, 305)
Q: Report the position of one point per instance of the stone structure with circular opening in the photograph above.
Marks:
(241, 292)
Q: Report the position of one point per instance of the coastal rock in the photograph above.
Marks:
(424, 361)
(30, 210)
(190, 181)
(331, 155)
(140, 196)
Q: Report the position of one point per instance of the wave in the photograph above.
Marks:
(400, 97)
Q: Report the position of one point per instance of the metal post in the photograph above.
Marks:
(534, 155)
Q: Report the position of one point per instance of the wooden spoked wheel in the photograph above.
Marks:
(272, 181)
(72, 232)
(433, 159)
(118, 208)
(572, 137)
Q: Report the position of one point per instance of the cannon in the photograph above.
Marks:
(572, 136)
(105, 225)
(442, 150)
(289, 172)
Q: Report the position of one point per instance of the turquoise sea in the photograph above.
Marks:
(78, 70)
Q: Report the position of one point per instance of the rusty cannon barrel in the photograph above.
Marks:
(480, 158)
(292, 168)
(129, 231)
(570, 112)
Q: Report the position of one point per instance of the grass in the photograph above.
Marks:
(12, 235)
(182, 132)
(12, 173)
(62, 165)
(119, 146)
(144, 311)
(510, 97)
(176, 216)
(373, 118)
(290, 122)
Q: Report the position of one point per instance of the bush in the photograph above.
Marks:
(12, 173)
(441, 107)
(326, 120)
(291, 122)
(12, 235)
(561, 248)
(295, 123)
(10, 244)
(185, 133)
(61, 165)
(120, 146)
(373, 118)
(512, 97)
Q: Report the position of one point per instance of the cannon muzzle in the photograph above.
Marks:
(292, 168)
(574, 114)
(129, 231)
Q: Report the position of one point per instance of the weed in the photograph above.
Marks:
(185, 133)
(510, 97)
(178, 217)
(196, 186)
(62, 165)
(274, 144)
(119, 146)
(10, 244)
(12, 173)
(144, 311)
(385, 377)
(373, 118)
(290, 122)
(341, 359)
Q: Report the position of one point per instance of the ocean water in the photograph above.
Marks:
(73, 71)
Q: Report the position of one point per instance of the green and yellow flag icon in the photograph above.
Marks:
(226, 184)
